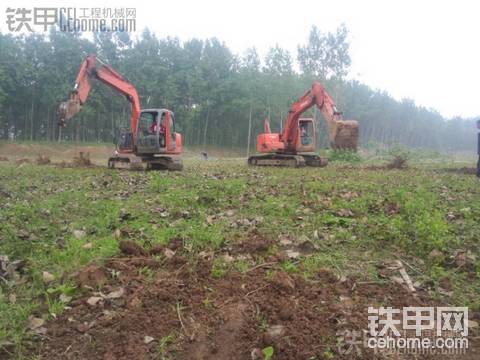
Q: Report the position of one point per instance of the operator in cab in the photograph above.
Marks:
(153, 126)
(161, 129)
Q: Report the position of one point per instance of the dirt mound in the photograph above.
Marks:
(22, 161)
(82, 160)
(3, 158)
(128, 247)
(253, 243)
(42, 160)
(141, 307)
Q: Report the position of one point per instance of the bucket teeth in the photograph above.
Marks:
(67, 110)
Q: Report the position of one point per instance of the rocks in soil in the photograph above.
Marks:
(42, 160)
(79, 234)
(35, 322)
(10, 270)
(116, 294)
(169, 253)
(292, 254)
(219, 322)
(175, 244)
(283, 282)
(92, 276)
(273, 334)
(131, 248)
(148, 339)
(464, 259)
(124, 215)
(94, 300)
(256, 354)
(83, 327)
(65, 298)
(286, 312)
(436, 256)
(47, 277)
(157, 249)
(344, 213)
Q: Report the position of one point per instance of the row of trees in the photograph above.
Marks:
(213, 91)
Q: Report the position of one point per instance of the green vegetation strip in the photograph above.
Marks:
(57, 220)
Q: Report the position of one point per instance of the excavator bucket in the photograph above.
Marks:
(68, 109)
(343, 135)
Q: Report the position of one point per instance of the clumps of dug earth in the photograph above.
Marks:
(164, 302)
(81, 160)
(42, 160)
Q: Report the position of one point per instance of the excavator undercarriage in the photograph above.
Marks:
(133, 162)
(295, 146)
(288, 160)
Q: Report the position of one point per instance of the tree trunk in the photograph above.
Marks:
(206, 128)
(47, 135)
(31, 117)
(249, 130)
(24, 134)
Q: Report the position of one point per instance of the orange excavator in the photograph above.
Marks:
(295, 146)
(151, 142)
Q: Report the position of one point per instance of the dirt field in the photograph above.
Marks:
(195, 316)
(98, 153)
(223, 261)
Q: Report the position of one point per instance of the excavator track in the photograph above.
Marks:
(287, 160)
(145, 163)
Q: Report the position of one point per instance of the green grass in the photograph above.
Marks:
(357, 217)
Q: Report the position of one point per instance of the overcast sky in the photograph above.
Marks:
(425, 50)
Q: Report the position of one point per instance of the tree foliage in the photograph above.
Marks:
(211, 90)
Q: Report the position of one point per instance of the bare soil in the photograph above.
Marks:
(172, 307)
(98, 154)
(55, 152)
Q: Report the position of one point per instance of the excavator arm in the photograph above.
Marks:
(78, 96)
(343, 134)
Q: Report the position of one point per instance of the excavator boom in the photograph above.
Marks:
(108, 76)
(292, 146)
(342, 134)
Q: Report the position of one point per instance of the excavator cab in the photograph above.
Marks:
(156, 133)
(306, 135)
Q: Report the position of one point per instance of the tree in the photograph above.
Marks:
(278, 62)
(325, 55)
(251, 61)
(218, 97)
